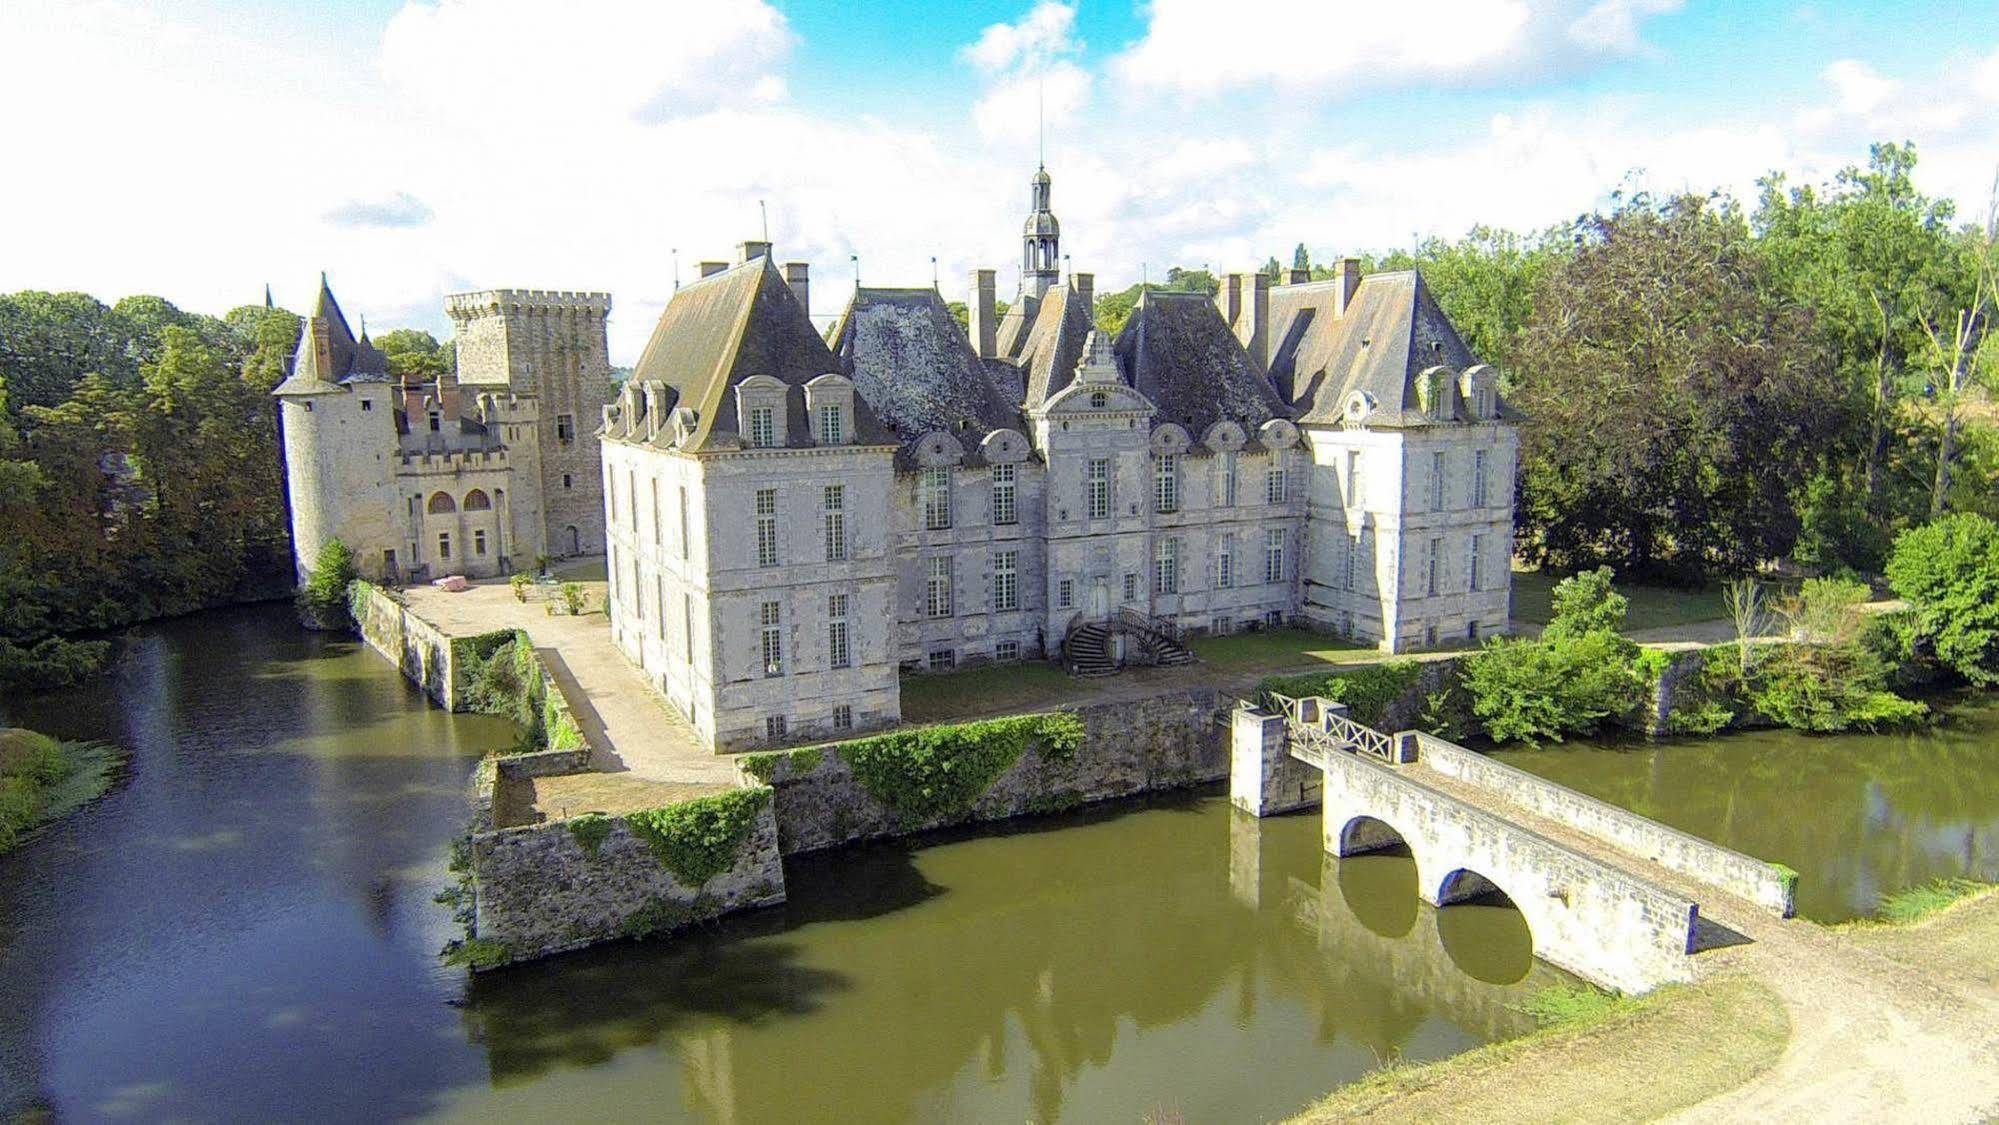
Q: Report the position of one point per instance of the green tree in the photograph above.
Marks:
(1828, 678)
(414, 353)
(323, 598)
(1579, 673)
(1949, 572)
(1301, 260)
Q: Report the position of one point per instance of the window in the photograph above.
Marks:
(1437, 481)
(656, 537)
(1225, 562)
(839, 653)
(1223, 626)
(367, 405)
(1434, 563)
(771, 615)
(766, 527)
(1228, 480)
(567, 482)
(934, 489)
(1099, 487)
(632, 500)
(565, 428)
(436, 422)
(1275, 488)
(683, 521)
(763, 427)
(1131, 587)
(659, 600)
(1006, 581)
(1166, 483)
(1430, 635)
(308, 405)
(1003, 491)
(836, 522)
(832, 424)
(1471, 630)
(1273, 555)
(1353, 478)
(479, 542)
(687, 625)
(1065, 593)
(774, 728)
(1478, 478)
(943, 660)
(843, 716)
(1472, 563)
(443, 544)
(937, 588)
(1353, 561)
(1166, 567)
(1098, 400)
(1006, 652)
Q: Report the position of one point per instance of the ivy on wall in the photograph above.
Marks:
(926, 773)
(1367, 691)
(697, 839)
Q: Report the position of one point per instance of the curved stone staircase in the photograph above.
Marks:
(1089, 649)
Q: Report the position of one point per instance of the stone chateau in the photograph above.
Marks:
(793, 519)
(478, 472)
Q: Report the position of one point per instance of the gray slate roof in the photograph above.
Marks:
(352, 360)
(1177, 351)
(1054, 344)
(1391, 332)
(1011, 335)
(913, 365)
(720, 330)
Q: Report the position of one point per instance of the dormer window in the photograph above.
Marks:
(763, 426)
(1099, 400)
(832, 422)
(436, 422)
(829, 403)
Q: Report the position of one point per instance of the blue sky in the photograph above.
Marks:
(415, 147)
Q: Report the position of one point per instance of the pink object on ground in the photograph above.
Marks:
(454, 583)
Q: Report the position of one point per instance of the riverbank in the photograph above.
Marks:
(43, 780)
(1866, 1021)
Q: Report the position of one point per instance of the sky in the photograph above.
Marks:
(199, 149)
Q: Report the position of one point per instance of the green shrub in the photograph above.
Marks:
(926, 773)
(574, 598)
(698, 839)
(1529, 691)
(477, 953)
(590, 830)
(1709, 699)
(1829, 678)
(519, 582)
(323, 598)
(1926, 898)
(42, 779)
(52, 662)
(1949, 572)
(1367, 691)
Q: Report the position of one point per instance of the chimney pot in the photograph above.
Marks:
(798, 276)
(1347, 273)
(710, 269)
(982, 326)
(747, 250)
(1085, 285)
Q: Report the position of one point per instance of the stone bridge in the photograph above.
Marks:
(1607, 894)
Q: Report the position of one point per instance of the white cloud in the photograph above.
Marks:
(1043, 34)
(399, 210)
(1028, 80)
(1859, 87)
(1202, 47)
(1012, 110)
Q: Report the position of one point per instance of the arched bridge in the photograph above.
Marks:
(1607, 894)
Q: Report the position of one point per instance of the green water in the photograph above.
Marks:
(243, 931)
(1858, 816)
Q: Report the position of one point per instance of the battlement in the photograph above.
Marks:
(452, 461)
(495, 302)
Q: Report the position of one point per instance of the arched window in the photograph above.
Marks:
(442, 502)
(477, 501)
(1099, 399)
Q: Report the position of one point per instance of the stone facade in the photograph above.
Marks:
(478, 472)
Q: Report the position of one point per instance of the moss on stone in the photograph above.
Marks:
(477, 953)
(590, 831)
(664, 915)
(698, 839)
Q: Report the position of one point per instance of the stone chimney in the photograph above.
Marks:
(1253, 326)
(1298, 276)
(322, 348)
(1346, 272)
(983, 326)
(1229, 298)
(797, 275)
(655, 408)
(447, 395)
(710, 269)
(1085, 285)
(746, 251)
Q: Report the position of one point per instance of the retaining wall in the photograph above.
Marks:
(420, 649)
(1140, 746)
(1762, 883)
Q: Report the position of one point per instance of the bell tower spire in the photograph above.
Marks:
(1041, 240)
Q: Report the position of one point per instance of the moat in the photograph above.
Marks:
(244, 928)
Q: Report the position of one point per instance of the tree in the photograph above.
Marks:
(1828, 678)
(323, 598)
(1744, 597)
(1963, 353)
(415, 354)
(1301, 260)
(1949, 573)
(1578, 673)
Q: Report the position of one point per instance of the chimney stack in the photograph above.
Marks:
(1253, 326)
(710, 269)
(1346, 272)
(1229, 298)
(796, 275)
(655, 408)
(983, 327)
(747, 251)
(322, 347)
(1085, 285)
(1298, 276)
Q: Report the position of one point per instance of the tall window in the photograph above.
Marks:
(1353, 478)
(632, 501)
(838, 652)
(1065, 593)
(1436, 562)
(1472, 564)
(1006, 581)
(565, 428)
(479, 542)
(766, 527)
(1276, 489)
(656, 537)
(436, 422)
(1099, 487)
(1228, 480)
(832, 424)
(843, 716)
(1131, 587)
(1478, 478)
(659, 599)
(444, 545)
(836, 523)
(771, 617)
(1353, 561)
(1166, 483)
(1437, 481)
(1166, 567)
(1273, 555)
(683, 521)
(1225, 562)
(935, 489)
(1003, 492)
(937, 588)
(763, 426)
(687, 625)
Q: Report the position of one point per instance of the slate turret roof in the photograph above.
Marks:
(1390, 332)
(348, 360)
(1178, 352)
(914, 366)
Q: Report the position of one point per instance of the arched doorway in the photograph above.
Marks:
(575, 540)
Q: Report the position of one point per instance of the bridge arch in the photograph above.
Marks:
(1483, 929)
(1362, 834)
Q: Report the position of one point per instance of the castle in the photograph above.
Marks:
(792, 520)
(478, 472)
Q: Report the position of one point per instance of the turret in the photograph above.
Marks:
(1041, 240)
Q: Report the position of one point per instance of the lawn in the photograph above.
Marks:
(1274, 649)
(1652, 607)
(1030, 686)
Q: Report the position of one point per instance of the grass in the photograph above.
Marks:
(1574, 1003)
(1925, 899)
(42, 780)
(1606, 1058)
(1955, 942)
(1029, 686)
(1652, 607)
(1273, 649)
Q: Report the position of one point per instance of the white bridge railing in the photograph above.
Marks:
(1321, 727)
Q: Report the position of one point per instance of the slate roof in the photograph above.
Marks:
(1178, 351)
(722, 329)
(352, 360)
(914, 366)
(1392, 330)
(1054, 344)
(1011, 335)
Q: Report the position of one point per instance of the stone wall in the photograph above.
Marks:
(1140, 746)
(543, 889)
(420, 649)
